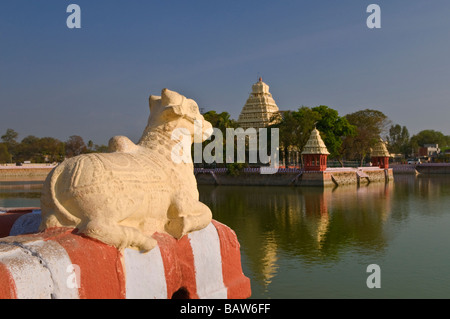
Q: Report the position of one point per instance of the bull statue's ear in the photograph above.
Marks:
(173, 100)
(154, 101)
(169, 97)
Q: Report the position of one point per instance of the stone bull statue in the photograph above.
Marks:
(123, 197)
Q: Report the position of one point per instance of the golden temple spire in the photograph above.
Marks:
(260, 108)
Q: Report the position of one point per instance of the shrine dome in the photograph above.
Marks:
(315, 144)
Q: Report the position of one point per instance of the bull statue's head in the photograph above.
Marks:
(172, 111)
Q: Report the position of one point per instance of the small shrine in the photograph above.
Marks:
(315, 153)
(380, 155)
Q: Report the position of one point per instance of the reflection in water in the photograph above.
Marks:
(309, 228)
(302, 219)
(269, 260)
(314, 223)
(15, 192)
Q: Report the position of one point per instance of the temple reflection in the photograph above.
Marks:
(312, 225)
(316, 216)
(269, 260)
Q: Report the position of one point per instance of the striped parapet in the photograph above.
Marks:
(59, 263)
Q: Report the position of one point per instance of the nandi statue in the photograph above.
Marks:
(123, 197)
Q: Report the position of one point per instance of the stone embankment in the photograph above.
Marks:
(294, 177)
(423, 168)
(25, 171)
(404, 169)
(433, 168)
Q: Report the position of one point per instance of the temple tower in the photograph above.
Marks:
(315, 153)
(259, 109)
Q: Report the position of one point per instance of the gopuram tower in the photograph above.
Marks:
(260, 108)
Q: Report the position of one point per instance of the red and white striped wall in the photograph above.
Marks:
(58, 263)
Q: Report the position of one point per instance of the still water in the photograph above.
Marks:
(299, 242)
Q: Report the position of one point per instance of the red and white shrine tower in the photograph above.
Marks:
(380, 155)
(315, 153)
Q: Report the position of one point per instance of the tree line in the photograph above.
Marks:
(44, 149)
(348, 138)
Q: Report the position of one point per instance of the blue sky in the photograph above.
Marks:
(95, 81)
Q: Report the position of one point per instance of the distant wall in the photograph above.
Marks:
(245, 178)
(425, 168)
(25, 171)
(433, 168)
(405, 169)
(330, 177)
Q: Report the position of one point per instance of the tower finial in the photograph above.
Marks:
(260, 79)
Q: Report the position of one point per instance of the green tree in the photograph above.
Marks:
(90, 145)
(398, 140)
(101, 148)
(39, 150)
(296, 126)
(220, 121)
(51, 149)
(10, 140)
(28, 149)
(306, 119)
(333, 128)
(5, 156)
(75, 146)
(370, 125)
(429, 137)
(10, 136)
(294, 129)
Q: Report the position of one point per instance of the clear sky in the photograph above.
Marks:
(95, 81)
